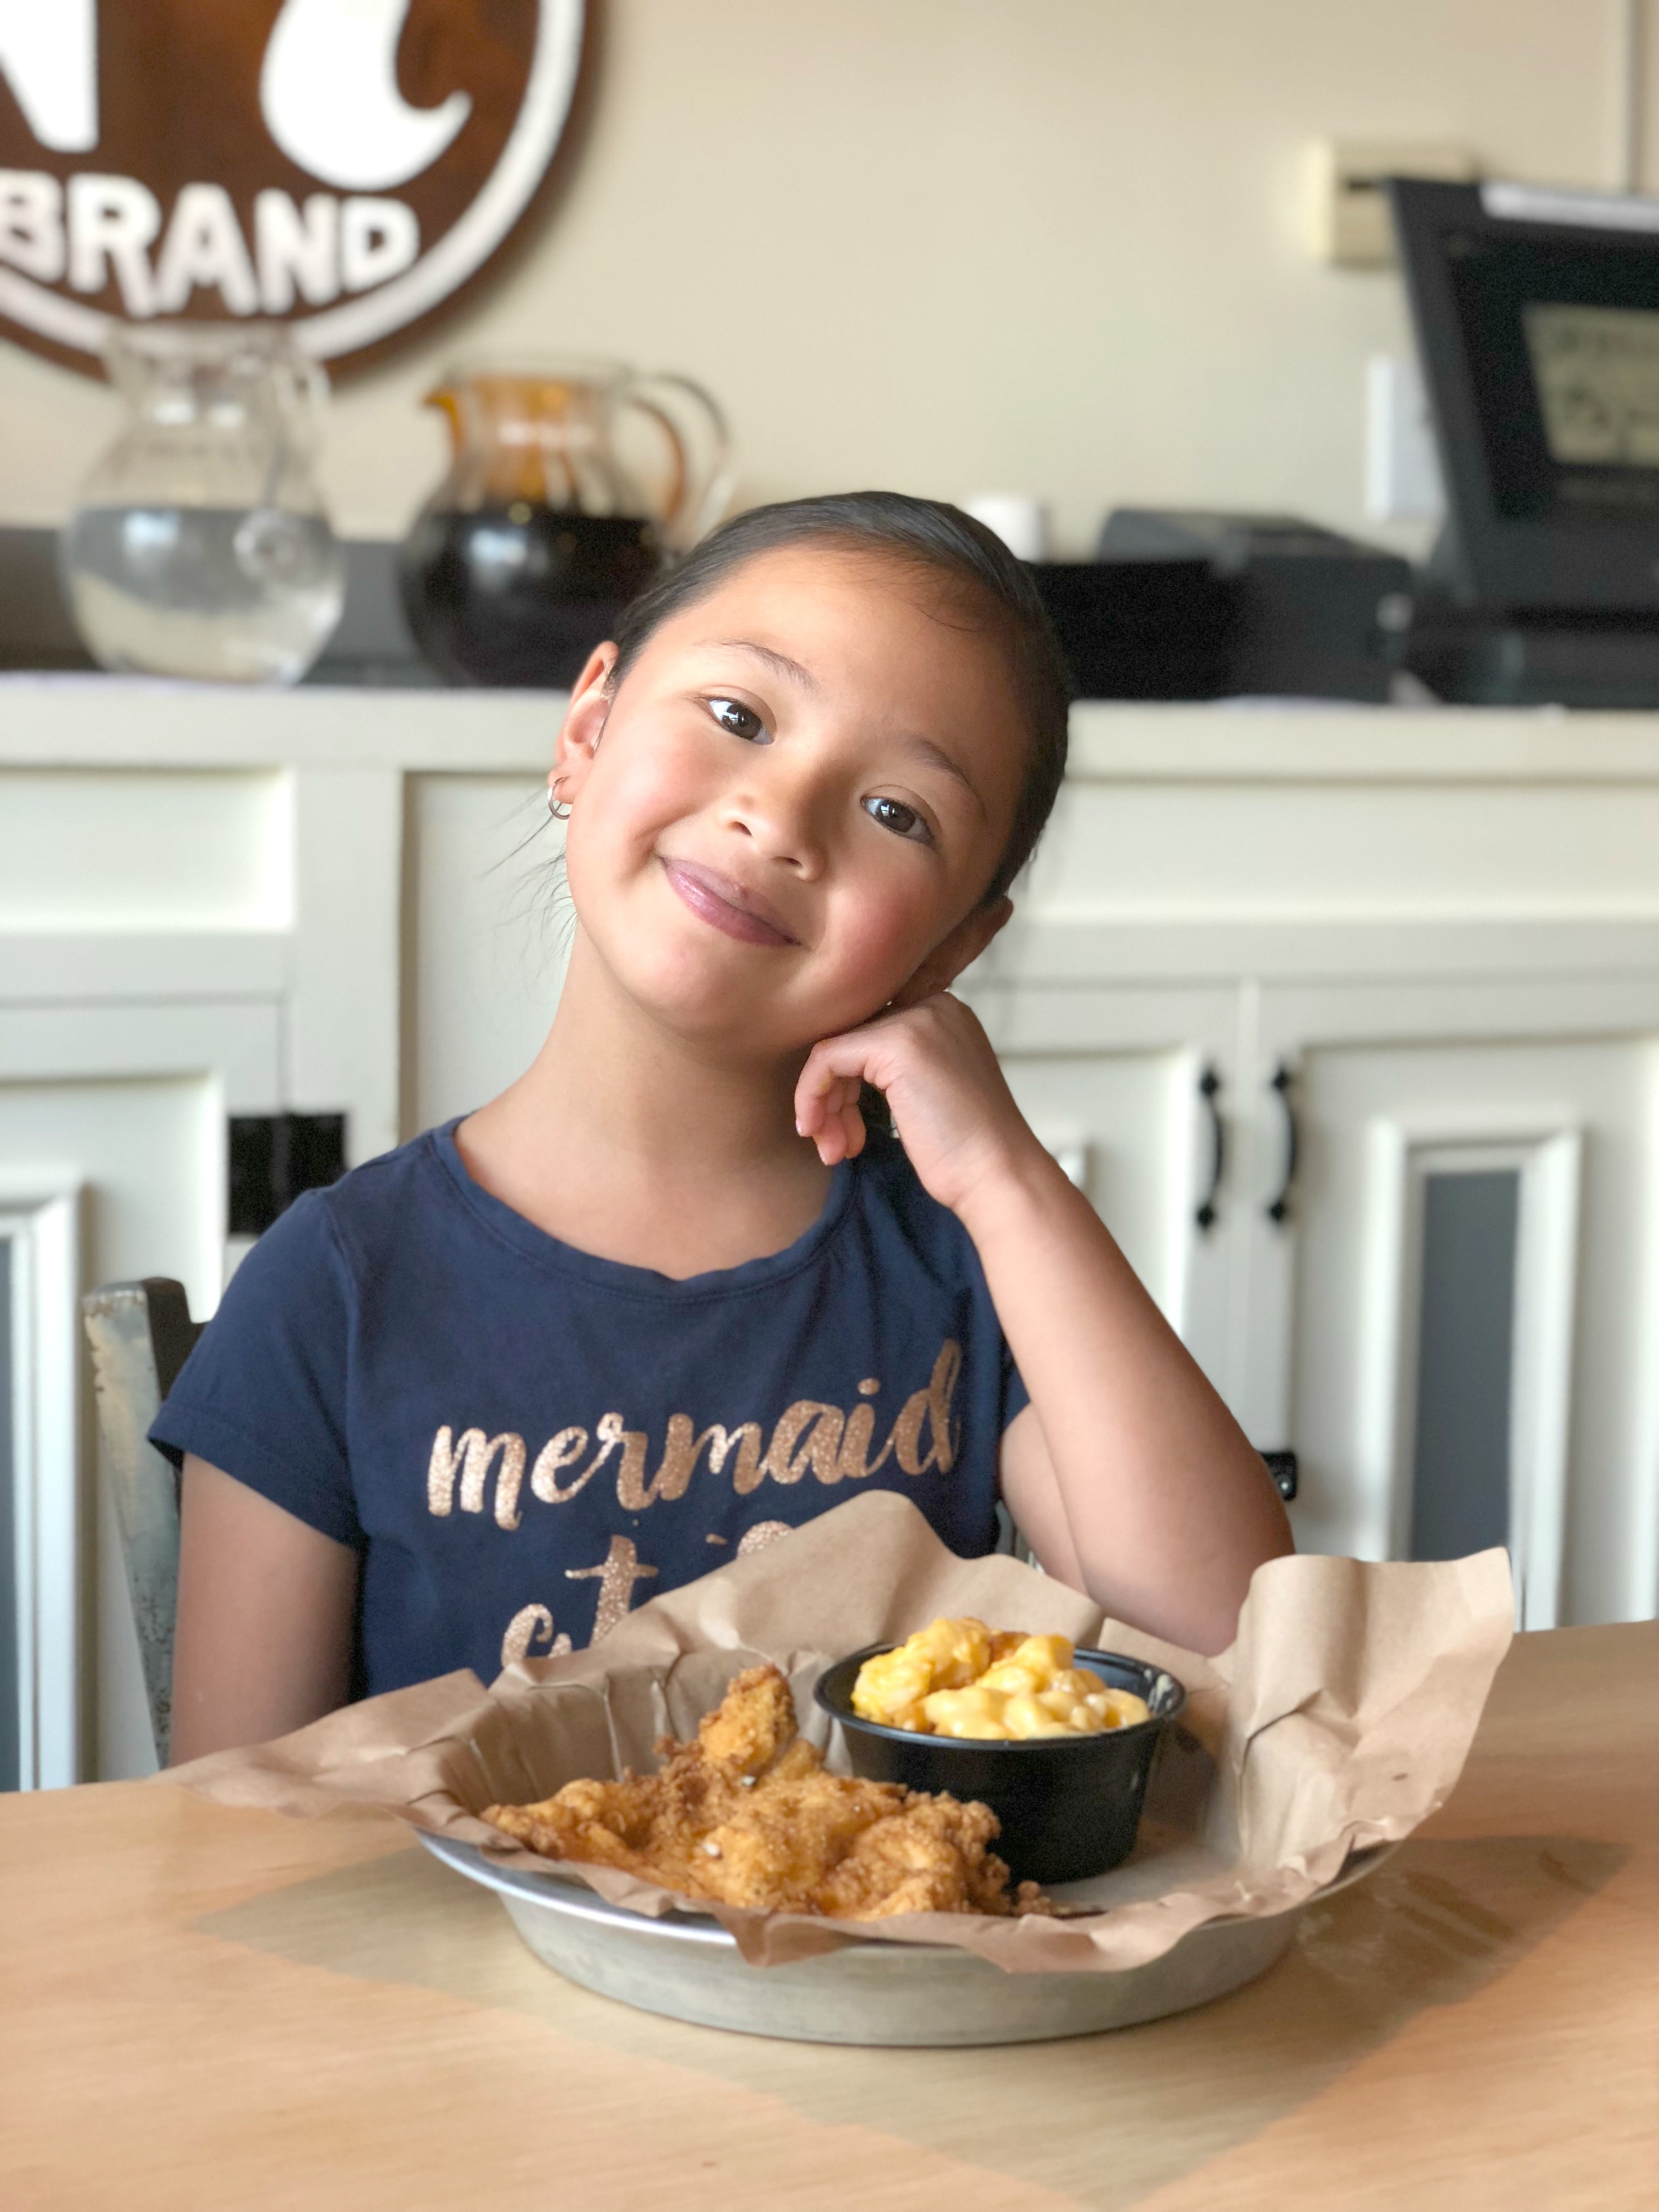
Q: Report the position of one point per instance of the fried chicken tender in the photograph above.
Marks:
(746, 1815)
(754, 1724)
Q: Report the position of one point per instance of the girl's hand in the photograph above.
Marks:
(950, 1104)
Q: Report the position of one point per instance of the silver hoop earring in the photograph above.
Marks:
(558, 808)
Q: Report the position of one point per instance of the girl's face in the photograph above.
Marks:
(787, 814)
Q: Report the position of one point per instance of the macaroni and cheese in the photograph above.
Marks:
(960, 1678)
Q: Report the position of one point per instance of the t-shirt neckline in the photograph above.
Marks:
(552, 1253)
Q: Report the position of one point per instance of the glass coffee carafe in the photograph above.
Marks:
(200, 546)
(570, 486)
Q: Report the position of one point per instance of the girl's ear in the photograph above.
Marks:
(959, 950)
(584, 724)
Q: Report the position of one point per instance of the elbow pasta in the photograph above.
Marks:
(959, 1677)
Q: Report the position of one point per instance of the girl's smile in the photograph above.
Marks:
(727, 905)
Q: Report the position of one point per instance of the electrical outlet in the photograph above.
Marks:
(1402, 470)
(1349, 222)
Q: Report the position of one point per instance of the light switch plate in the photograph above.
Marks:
(1402, 470)
(1349, 223)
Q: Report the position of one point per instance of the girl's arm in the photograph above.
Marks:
(1125, 1450)
(263, 1644)
(1168, 1507)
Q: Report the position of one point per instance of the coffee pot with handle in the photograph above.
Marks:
(570, 486)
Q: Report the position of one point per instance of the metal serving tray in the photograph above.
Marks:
(686, 1966)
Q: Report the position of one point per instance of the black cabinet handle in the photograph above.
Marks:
(1280, 1209)
(1209, 1084)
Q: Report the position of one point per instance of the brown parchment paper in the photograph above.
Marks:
(1340, 1718)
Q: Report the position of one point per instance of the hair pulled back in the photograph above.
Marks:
(986, 581)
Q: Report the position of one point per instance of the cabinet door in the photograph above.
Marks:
(1462, 1307)
(1133, 1092)
(112, 1166)
(489, 925)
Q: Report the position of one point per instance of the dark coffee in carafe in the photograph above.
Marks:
(520, 594)
(567, 489)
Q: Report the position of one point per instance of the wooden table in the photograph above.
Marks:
(217, 2009)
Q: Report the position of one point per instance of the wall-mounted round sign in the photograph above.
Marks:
(345, 166)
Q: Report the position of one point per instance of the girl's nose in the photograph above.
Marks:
(782, 811)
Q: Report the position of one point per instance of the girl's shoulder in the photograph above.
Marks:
(307, 1271)
(265, 1395)
(398, 1196)
(318, 1251)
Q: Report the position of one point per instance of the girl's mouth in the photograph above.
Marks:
(727, 905)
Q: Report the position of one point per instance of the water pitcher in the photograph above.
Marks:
(200, 546)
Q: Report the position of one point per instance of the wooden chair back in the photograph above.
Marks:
(140, 1335)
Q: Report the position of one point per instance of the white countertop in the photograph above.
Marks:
(93, 721)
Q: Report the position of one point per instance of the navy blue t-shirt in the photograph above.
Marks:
(522, 1441)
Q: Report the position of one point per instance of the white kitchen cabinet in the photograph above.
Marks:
(487, 932)
(1383, 1279)
(1132, 1091)
(112, 1165)
(1306, 1295)
(1422, 952)
(1444, 926)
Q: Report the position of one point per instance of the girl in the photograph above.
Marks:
(671, 1294)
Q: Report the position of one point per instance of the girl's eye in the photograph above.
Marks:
(903, 821)
(742, 721)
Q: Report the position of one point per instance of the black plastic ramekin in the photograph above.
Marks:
(1069, 1805)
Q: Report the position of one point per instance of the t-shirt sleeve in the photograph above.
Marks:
(262, 1395)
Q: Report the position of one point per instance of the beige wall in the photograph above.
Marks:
(1053, 246)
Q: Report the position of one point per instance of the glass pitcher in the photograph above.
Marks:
(570, 485)
(200, 546)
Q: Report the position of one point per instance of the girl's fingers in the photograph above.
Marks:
(833, 1075)
(817, 1100)
(831, 1142)
(819, 1095)
(837, 1126)
(827, 1111)
(841, 1135)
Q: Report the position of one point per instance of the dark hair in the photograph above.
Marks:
(938, 540)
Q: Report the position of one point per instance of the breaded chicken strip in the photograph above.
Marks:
(753, 1724)
(747, 1815)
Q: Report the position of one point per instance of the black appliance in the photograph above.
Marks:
(1311, 613)
(1153, 628)
(1195, 605)
(1536, 313)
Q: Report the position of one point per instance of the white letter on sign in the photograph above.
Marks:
(329, 94)
(293, 249)
(378, 239)
(204, 246)
(49, 54)
(32, 223)
(111, 220)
